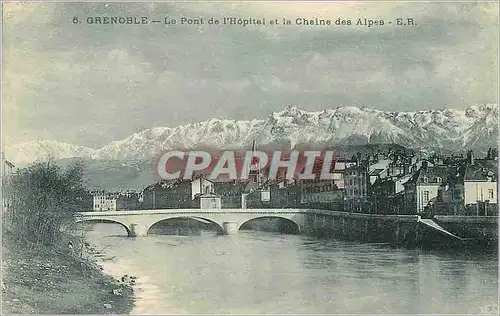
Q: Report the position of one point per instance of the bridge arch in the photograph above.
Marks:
(105, 220)
(217, 225)
(285, 218)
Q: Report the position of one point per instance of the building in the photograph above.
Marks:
(386, 180)
(338, 171)
(257, 195)
(400, 165)
(128, 201)
(470, 190)
(178, 193)
(358, 181)
(357, 187)
(201, 185)
(168, 194)
(424, 186)
(322, 194)
(285, 193)
(104, 201)
(480, 192)
(207, 201)
(450, 197)
(388, 195)
(381, 189)
(231, 192)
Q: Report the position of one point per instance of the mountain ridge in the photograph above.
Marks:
(475, 127)
(42, 150)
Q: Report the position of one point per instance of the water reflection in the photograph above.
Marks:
(259, 272)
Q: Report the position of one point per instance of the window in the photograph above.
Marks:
(490, 194)
(426, 196)
(439, 180)
(425, 180)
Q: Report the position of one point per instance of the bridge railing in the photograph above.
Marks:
(246, 211)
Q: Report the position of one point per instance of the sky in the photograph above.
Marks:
(89, 84)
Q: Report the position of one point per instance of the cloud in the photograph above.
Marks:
(91, 84)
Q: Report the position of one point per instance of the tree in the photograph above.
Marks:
(42, 200)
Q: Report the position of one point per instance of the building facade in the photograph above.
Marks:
(104, 201)
(425, 185)
(357, 188)
(480, 189)
(322, 194)
(168, 194)
(388, 195)
(284, 193)
(128, 201)
(207, 201)
(201, 186)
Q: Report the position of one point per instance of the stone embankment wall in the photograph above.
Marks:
(398, 230)
(403, 230)
(482, 230)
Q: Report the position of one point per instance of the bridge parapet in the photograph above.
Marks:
(197, 211)
(138, 222)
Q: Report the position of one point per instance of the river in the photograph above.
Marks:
(262, 273)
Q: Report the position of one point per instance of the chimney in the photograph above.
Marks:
(492, 154)
(406, 168)
(358, 158)
(424, 165)
(470, 157)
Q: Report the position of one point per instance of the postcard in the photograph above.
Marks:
(250, 157)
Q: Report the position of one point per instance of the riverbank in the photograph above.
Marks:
(408, 231)
(76, 286)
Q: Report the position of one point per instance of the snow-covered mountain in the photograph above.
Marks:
(29, 152)
(483, 132)
(474, 128)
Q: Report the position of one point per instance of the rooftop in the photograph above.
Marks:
(433, 174)
(482, 170)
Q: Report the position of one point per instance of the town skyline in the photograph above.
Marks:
(93, 84)
(187, 157)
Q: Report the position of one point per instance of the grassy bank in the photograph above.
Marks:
(55, 280)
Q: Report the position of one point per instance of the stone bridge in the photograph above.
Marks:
(228, 221)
